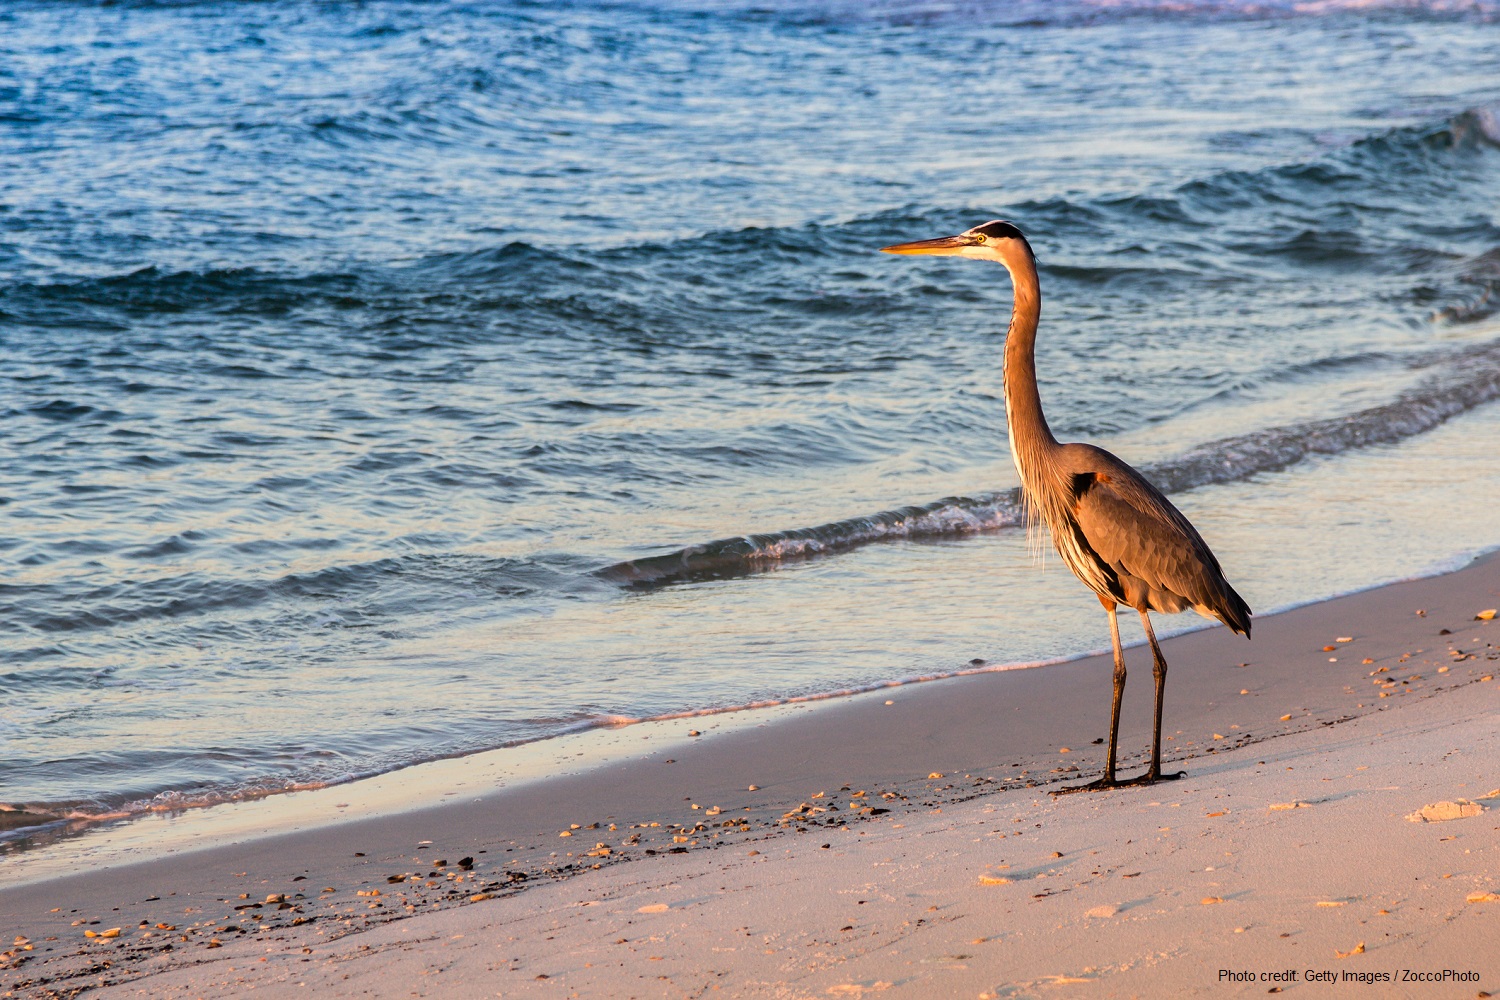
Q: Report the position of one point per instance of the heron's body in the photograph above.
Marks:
(1113, 529)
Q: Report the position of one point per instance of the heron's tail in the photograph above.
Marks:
(1233, 611)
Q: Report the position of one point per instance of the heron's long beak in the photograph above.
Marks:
(946, 245)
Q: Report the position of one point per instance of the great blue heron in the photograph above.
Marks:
(1113, 529)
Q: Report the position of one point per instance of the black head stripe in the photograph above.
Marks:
(999, 229)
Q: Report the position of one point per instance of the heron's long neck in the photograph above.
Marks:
(1031, 440)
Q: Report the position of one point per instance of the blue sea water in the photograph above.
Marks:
(398, 380)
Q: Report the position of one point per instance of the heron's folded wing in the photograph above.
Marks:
(1144, 536)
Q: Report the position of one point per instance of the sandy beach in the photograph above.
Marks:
(900, 843)
(483, 515)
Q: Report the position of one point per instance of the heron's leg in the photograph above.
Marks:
(1159, 671)
(1114, 712)
(1108, 781)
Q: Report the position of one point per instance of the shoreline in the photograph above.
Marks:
(989, 736)
(31, 852)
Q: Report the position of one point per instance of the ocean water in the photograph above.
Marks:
(393, 381)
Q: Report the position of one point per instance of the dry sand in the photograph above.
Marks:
(1286, 851)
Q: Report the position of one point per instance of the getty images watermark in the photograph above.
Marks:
(1345, 976)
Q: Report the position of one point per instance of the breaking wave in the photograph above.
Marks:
(1459, 385)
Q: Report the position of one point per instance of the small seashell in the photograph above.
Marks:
(1439, 812)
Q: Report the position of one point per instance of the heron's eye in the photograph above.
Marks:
(979, 237)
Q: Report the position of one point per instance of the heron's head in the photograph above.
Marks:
(996, 240)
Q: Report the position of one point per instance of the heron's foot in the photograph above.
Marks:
(1104, 784)
(1099, 785)
(1154, 775)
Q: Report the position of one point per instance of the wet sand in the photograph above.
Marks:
(954, 776)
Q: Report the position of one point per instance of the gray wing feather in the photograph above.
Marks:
(1155, 551)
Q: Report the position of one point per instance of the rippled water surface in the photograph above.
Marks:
(391, 381)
